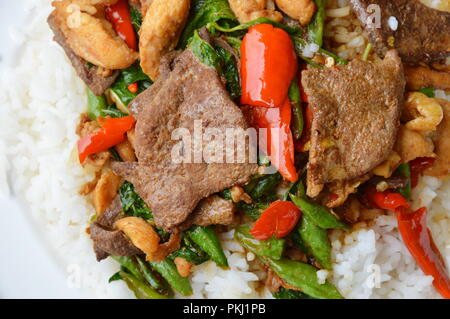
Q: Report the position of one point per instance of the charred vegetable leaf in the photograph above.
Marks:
(284, 293)
(132, 204)
(204, 12)
(316, 26)
(263, 186)
(272, 248)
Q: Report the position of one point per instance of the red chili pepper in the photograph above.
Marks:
(386, 200)
(133, 87)
(277, 220)
(420, 243)
(417, 167)
(268, 65)
(119, 16)
(112, 133)
(279, 142)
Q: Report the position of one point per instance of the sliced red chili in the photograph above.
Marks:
(277, 220)
(417, 167)
(279, 142)
(133, 87)
(417, 238)
(112, 133)
(119, 16)
(386, 200)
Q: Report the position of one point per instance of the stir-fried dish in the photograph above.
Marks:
(178, 93)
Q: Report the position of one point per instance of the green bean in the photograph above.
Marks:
(96, 104)
(284, 293)
(299, 275)
(294, 96)
(304, 277)
(169, 272)
(319, 215)
(272, 248)
(129, 264)
(405, 170)
(316, 242)
(151, 277)
(316, 26)
(141, 290)
(207, 240)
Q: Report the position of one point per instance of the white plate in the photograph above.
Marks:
(27, 268)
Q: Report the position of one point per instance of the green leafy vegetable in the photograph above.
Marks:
(115, 277)
(263, 186)
(230, 72)
(253, 210)
(132, 204)
(428, 92)
(204, 12)
(190, 251)
(96, 105)
(212, 27)
(119, 90)
(136, 18)
(205, 52)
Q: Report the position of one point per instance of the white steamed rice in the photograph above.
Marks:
(38, 123)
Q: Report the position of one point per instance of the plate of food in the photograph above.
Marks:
(226, 149)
